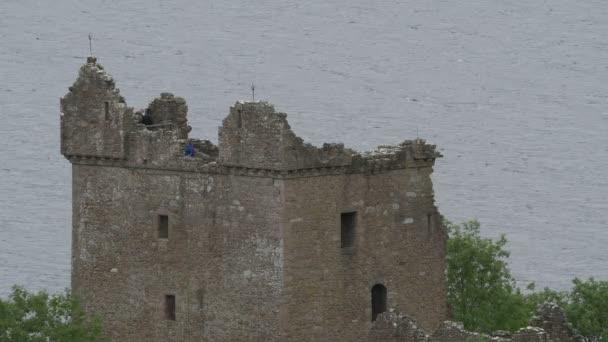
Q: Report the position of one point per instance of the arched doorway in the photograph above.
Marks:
(378, 300)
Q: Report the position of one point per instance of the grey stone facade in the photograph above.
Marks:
(261, 238)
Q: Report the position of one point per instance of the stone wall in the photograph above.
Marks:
(222, 259)
(255, 244)
(399, 242)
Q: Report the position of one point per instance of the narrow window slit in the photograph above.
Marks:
(170, 307)
(163, 226)
(347, 229)
(106, 110)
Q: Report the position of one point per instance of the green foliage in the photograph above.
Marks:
(587, 307)
(481, 291)
(483, 294)
(534, 299)
(34, 317)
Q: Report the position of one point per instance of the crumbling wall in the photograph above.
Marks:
(392, 326)
(548, 325)
(552, 319)
(170, 112)
(407, 154)
(532, 334)
(254, 135)
(162, 143)
(455, 332)
(205, 148)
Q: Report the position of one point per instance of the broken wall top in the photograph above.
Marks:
(98, 127)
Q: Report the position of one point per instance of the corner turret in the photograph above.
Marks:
(94, 116)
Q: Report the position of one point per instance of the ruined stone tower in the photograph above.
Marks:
(261, 238)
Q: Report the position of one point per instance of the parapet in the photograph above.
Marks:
(254, 135)
(98, 127)
(410, 153)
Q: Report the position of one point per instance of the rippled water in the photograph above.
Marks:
(515, 93)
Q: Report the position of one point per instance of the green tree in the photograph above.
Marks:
(34, 317)
(483, 294)
(587, 308)
(481, 290)
(533, 299)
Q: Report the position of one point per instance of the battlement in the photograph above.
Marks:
(97, 127)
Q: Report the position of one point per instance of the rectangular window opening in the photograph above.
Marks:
(163, 226)
(429, 222)
(170, 307)
(347, 229)
(378, 300)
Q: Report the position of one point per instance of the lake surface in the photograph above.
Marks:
(514, 93)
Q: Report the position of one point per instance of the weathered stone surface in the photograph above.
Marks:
(551, 318)
(254, 235)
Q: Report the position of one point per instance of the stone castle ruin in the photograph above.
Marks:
(260, 238)
(548, 325)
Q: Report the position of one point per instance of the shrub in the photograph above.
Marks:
(34, 317)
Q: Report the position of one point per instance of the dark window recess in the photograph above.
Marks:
(378, 300)
(163, 226)
(429, 221)
(170, 307)
(106, 110)
(347, 229)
